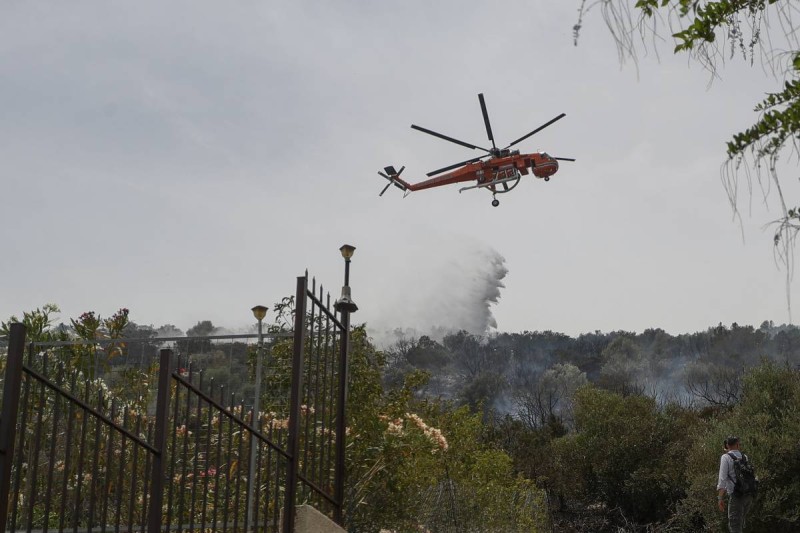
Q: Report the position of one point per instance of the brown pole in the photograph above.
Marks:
(341, 421)
(294, 402)
(160, 443)
(8, 418)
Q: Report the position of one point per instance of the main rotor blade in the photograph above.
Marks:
(540, 128)
(446, 138)
(565, 158)
(454, 165)
(384, 189)
(486, 119)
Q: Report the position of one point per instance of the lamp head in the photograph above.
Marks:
(259, 312)
(347, 251)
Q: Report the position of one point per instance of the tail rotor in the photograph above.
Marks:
(393, 176)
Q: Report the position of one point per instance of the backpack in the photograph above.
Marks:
(746, 481)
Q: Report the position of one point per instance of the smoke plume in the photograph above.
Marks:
(452, 289)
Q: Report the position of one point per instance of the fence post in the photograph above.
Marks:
(159, 459)
(8, 418)
(294, 402)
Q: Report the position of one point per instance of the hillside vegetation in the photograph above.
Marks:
(533, 431)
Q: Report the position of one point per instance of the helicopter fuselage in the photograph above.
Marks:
(541, 164)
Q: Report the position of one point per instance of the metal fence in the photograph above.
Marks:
(159, 435)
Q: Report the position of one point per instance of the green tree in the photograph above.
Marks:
(623, 367)
(763, 29)
(767, 419)
(415, 463)
(38, 325)
(626, 454)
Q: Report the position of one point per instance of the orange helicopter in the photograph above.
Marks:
(499, 174)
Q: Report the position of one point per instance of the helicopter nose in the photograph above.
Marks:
(545, 168)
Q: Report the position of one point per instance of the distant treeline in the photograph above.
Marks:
(531, 374)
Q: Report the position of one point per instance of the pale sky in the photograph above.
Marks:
(189, 159)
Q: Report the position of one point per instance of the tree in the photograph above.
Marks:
(38, 325)
(201, 329)
(169, 330)
(623, 368)
(550, 398)
(766, 29)
(469, 352)
(625, 454)
(419, 465)
(767, 418)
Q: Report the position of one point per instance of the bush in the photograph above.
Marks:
(768, 421)
(625, 455)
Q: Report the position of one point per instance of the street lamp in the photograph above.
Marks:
(259, 312)
(345, 303)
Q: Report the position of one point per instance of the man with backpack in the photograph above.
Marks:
(737, 480)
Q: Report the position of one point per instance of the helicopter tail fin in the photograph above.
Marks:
(394, 179)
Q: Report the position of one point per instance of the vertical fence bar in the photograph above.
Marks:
(257, 481)
(228, 473)
(237, 488)
(135, 470)
(8, 418)
(276, 476)
(160, 443)
(32, 492)
(207, 463)
(146, 477)
(81, 456)
(307, 390)
(52, 452)
(218, 462)
(118, 492)
(95, 464)
(107, 482)
(197, 454)
(67, 456)
(184, 426)
(294, 402)
(323, 476)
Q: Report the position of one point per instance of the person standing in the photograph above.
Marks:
(738, 504)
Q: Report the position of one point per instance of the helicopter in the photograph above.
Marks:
(500, 173)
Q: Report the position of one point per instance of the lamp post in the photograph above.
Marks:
(259, 312)
(344, 305)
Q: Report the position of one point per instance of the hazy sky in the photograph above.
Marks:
(189, 159)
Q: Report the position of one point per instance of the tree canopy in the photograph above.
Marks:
(713, 32)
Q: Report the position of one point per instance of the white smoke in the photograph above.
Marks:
(450, 286)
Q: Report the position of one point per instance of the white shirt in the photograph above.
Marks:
(727, 473)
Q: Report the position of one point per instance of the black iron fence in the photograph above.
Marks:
(157, 435)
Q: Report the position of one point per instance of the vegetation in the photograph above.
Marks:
(621, 430)
(412, 464)
(418, 463)
(515, 432)
(712, 32)
(764, 29)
